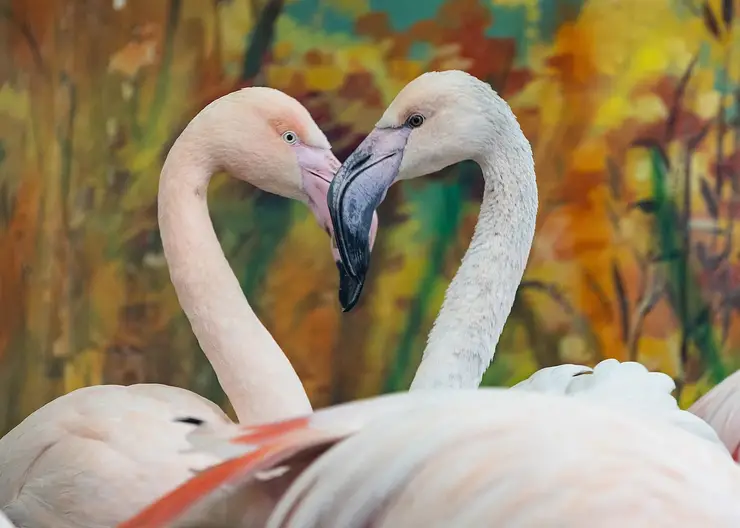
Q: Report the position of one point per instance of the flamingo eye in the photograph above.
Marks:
(290, 137)
(415, 120)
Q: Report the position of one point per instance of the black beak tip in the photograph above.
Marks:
(350, 288)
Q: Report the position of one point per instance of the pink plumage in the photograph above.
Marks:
(491, 457)
(720, 408)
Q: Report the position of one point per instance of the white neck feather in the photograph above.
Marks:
(478, 301)
(252, 369)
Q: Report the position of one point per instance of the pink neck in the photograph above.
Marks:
(252, 369)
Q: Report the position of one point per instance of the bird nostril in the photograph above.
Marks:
(358, 160)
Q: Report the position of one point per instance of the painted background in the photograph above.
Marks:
(631, 106)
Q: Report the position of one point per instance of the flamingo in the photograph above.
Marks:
(720, 408)
(464, 457)
(92, 457)
(269, 472)
(437, 120)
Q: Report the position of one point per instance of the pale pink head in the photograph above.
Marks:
(269, 139)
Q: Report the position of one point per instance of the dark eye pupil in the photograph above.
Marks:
(416, 120)
(289, 137)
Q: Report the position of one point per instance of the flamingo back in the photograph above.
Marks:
(459, 458)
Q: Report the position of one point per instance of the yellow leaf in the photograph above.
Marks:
(589, 156)
(13, 103)
(282, 50)
(236, 20)
(107, 295)
(660, 354)
(84, 369)
(324, 77)
(280, 75)
(404, 70)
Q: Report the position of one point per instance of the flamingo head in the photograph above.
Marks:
(268, 138)
(437, 120)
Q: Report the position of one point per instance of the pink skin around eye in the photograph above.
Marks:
(318, 167)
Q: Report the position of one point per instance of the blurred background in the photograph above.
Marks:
(631, 107)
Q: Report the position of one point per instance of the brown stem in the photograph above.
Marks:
(622, 301)
(163, 78)
(652, 289)
(721, 132)
(670, 126)
(687, 326)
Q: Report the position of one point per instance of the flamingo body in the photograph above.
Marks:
(55, 460)
(490, 457)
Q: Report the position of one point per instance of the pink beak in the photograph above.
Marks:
(318, 167)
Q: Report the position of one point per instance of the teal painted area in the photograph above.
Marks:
(420, 51)
(336, 22)
(553, 13)
(722, 82)
(325, 18)
(510, 22)
(404, 13)
(732, 112)
(304, 10)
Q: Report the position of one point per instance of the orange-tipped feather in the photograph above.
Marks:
(264, 433)
(173, 505)
(268, 444)
(272, 444)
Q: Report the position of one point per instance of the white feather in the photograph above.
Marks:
(4, 522)
(627, 385)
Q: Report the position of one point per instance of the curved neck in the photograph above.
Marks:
(478, 301)
(254, 373)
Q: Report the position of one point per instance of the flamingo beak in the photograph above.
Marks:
(356, 191)
(318, 167)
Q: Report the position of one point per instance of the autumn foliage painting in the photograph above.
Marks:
(631, 106)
